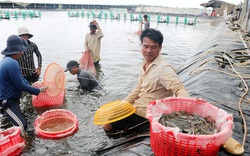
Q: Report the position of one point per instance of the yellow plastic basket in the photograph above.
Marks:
(113, 111)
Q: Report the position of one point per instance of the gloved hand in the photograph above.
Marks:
(43, 89)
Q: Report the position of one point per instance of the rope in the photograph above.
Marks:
(213, 69)
(240, 102)
(200, 56)
(238, 75)
(206, 61)
(241, 99)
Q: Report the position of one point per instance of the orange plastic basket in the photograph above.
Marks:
(11, 141)
(53, 118)
(54, 79)
(168, 141)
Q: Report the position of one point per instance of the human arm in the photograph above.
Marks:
(86, 47)
(134, 94)
(170, 80)
(39, 83)
(99, 33)
(18, 80)
(39, 59)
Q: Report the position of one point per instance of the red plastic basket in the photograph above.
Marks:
(11, 141)
(167, 141)
(54, 114)
(44, 99)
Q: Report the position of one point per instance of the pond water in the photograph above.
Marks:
(61, 39)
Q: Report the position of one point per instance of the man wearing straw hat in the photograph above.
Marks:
(157, 80)
(93, 42)
(13, 83)
(26, 62)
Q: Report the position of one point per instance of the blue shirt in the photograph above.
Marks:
(12, 83)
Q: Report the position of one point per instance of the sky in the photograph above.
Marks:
(168, 3)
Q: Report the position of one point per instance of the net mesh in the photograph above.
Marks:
(54, 79)
(86, 62)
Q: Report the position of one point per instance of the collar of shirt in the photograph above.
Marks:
(155, 62)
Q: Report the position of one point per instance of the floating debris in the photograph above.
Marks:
(189, 123)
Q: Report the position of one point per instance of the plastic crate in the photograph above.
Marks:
(11, 141)
(168, 141)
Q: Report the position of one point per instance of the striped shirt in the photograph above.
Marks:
(26, 62)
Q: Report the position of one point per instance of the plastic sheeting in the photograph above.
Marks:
(205, 78)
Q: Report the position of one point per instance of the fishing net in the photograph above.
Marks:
(54, 79)
(86, 62)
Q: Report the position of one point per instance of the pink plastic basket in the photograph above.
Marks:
(55, 114)
(167, 141)
(11, 141)
(54, 79)
(44, 99)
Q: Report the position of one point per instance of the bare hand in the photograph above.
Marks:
(37, 83)
(95, 22)
(43, 89)
(199, 99)
(38, 71)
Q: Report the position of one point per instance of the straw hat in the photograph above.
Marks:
(24, 31)
(15, 45)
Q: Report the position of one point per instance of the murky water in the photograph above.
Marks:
(61, 39)
(57, 125)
